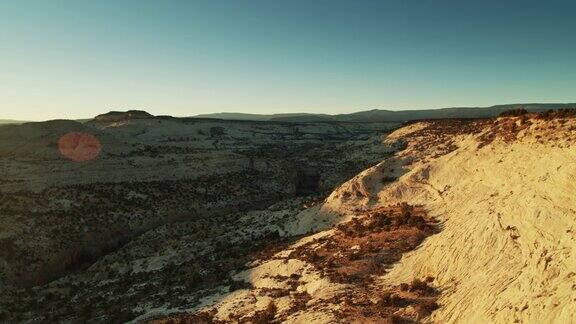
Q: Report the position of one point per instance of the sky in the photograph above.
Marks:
(77, 59)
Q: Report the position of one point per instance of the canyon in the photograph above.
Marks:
(172, 220)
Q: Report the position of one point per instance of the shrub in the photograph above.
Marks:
(426, 307)
(418, 284)
(421, 286)
(275, 292)
(560, 113)
(396, 319)
(299, 301)
(566, 112)
(398, 301)
(384, 300)
(405, 210)
(513, 112)
(265, 316)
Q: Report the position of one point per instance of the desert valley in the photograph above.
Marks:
(129, 217)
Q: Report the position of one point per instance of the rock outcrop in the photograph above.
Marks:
(115, 116)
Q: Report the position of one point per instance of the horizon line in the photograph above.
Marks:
(296, 113)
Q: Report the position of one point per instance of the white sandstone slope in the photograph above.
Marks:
(507, 249)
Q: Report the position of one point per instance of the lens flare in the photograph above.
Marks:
(79, 146)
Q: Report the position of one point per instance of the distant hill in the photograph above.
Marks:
(459, 112)
(304, 118)
(122, 115)
(259, 117)
(11, 121)
(378, 115)
(374, 115)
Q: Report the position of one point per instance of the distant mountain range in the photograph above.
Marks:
(378, 115)
(374, 115)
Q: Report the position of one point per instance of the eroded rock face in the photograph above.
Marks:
(502, 196)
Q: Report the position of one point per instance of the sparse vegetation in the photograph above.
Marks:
(264, 316)
(217, 131)
(561, 113)
(372, 234)
(513, 112)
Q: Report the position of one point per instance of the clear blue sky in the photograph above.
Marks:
(74, 59)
